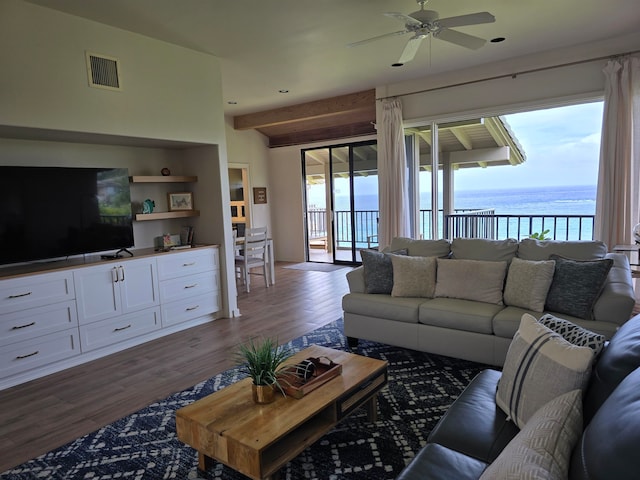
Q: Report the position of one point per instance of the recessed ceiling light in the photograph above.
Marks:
(283, 90)
(397, 64)
(497, 40)
(232, 102)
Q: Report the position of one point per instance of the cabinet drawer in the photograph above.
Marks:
(193, 307)
(37, 352)
(187, 263)
(34, 322)
(114, 330)
(185, 287)
(35, 290)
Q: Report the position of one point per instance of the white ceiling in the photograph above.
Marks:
(300, 45)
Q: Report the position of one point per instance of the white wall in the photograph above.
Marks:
(168, 92)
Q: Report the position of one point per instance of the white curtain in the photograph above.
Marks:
(392, 175)
(618, 198)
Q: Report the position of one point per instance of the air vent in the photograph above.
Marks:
(103, 71)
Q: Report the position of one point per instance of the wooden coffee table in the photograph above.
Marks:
(258, 440)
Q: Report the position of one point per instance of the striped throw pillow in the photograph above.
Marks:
(540, 365)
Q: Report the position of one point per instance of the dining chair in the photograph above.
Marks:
(254, 255)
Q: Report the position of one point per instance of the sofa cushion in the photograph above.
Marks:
(528, 283)
(413, 276)
(474, 425)
(608, 448)
(619, 358)
(459, 314)
(383, 306)
(477, 280)
(532, 249)
(540, 365)
(543, 447)
(576, 285)
(573, 333)
(378, 270)
(420, 248)
(435, 462)
(484, 249)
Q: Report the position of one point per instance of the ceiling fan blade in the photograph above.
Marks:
(411, 48)
(406, 19)
(470, 19)
(459, 38)
(373, 39)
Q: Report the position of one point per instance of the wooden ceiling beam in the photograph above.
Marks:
(354, 102)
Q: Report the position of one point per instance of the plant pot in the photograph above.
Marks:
(263, 394)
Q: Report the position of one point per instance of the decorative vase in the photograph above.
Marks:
(263, 394)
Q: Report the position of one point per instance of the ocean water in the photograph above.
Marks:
(536, 201)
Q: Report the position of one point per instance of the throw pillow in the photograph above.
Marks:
(477, 280)
(577, 285)
(413, 276)
(378, 270)
(540, 365)
(542, 449)
(573, 333)
(528, 283)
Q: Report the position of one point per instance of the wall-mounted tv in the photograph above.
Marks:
(56, 212)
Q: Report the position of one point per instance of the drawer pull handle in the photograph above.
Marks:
(192, 308)
(20, 357)
(18, 327)
(191, 286)
(20, 295)
(189, 264)
(119, 329)
(114, 274)
(121, 273)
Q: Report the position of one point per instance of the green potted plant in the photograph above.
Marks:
(540, 235)
(262, 360)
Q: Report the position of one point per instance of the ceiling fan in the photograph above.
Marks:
(424, 22)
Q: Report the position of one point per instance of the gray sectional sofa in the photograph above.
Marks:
(465, 298)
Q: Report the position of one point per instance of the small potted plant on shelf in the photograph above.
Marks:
(262, 360)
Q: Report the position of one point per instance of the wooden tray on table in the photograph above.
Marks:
(299, 379)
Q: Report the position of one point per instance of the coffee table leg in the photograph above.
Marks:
(204, 462)
(372, 408)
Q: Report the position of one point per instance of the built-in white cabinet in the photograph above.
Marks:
(56, 320)
(107, 290)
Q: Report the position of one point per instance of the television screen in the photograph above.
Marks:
(53, 212)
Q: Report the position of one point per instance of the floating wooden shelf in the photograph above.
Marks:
(141, 217)
(162, 179)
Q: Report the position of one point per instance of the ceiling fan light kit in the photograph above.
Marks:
(423, 23)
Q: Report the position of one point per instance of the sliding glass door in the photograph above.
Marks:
(337, 233)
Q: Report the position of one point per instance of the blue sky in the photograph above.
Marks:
(562, 147)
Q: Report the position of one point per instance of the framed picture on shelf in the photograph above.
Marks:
(180, 201)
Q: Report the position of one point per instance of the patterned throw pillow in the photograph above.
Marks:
(577, 285)
(378, 270)
(528, 283)
(573, 333)
(540, 366)
(413, 276)
(542, 449)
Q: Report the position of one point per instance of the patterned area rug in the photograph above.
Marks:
(144, 445)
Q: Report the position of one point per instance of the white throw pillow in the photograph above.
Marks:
(542, 449)
(528, 283)
(413, 276)
(477, 280)
(540, 365)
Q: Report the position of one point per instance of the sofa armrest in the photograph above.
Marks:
(617, 299)
(355, 278)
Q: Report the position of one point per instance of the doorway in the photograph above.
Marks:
(238, 192)
(341, 210)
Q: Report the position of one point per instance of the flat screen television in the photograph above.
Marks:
(56, 212)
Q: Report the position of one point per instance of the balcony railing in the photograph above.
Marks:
(463, 223)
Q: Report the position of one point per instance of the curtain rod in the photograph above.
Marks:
(512, 75)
